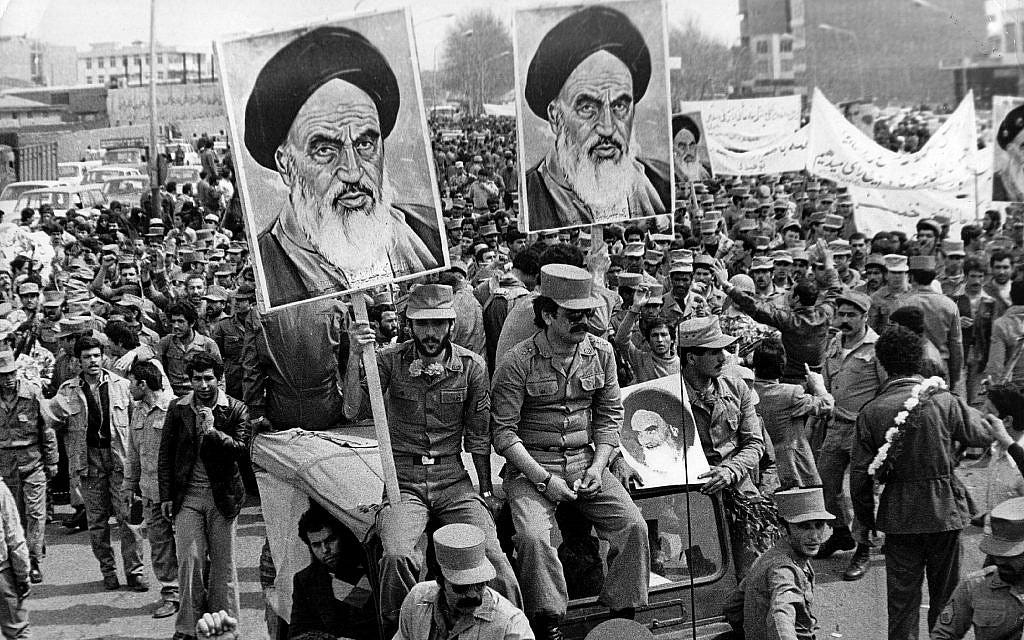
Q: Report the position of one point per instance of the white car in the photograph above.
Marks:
(99, 175)
(9, 196)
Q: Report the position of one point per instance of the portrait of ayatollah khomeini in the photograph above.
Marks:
(585, 79)
(320, 112)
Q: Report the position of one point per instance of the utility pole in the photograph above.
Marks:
(154, 163)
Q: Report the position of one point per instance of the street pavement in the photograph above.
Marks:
(72, 605)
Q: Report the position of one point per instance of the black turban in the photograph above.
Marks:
(681, 121)
(304, 65)
(575, 39)
(1012, 124)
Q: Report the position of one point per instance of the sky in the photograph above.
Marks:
(195, 23)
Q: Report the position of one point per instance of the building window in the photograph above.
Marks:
(88, 79)
(762, 46)
(764, 69)
(88, 63)
(786, 45)
(138, 61)
(159, 58)
(786, 65)
(113, 61)
(159, 75)
(99, 63)
(1010, 37)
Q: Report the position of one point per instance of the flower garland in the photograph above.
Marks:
(894, 436)
(416, 369)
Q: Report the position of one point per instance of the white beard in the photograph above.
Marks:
(605, 186)
(354, 241)
(662, 458)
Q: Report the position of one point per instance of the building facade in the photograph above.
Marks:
(26, 62)
(18, 112)
(881, 50)
(112, 64)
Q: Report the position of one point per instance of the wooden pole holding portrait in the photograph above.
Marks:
(380, 416)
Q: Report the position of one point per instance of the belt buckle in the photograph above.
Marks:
(426, 461)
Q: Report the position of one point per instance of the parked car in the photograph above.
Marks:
(63, 197)
(184, 174)
(101, 174)
(127, 190)
(9, 196)
(191, 157)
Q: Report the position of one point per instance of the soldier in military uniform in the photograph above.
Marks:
(437, 404)
(229, 334)
(28, 454)
(555, 416)
(989, 601)
(53, 310)
(885, 300)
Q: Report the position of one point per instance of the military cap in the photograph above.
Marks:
(832, 221)
(573, 40)
(782, 257)
(634, 250)
(895, 263)
(761, 263)
(875, 259)
(953, 248)
(746, 224)
(704, 261)
(681, 266)
(928, 223)
(301, 67)
(840, 248)
(855, 298)
(708, 226)
(245, 290)
(630, 280)
(761, 242)
(216, 293)
(653, 256)
(28, 288)
(921, 263)
(52, 298)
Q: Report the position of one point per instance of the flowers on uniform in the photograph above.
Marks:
(906, 419)
(416, 369)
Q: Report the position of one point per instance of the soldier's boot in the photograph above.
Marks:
(840, 540)
(859, 563)
(35, 574)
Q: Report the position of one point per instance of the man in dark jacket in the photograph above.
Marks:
(204, 439)
(923, 507)
(332, 596)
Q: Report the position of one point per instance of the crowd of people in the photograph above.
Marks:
(135, 365)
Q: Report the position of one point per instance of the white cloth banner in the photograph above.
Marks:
(900, 209)
(742, 125)
(788, 153)
(840, 152)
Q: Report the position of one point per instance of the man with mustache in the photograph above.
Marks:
(584, 80)
(318, 115)
(555, 417)
(459, 603)
(437, 403)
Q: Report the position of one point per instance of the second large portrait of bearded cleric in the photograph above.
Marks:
(593, 113)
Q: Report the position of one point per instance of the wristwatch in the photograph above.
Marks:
(542, 486)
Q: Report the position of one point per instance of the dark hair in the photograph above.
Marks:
(562, 254)
(900, 351)
(769, 359)
(121, 334)
(527, 261)
(922, 277)
(147, 372)
(806, 293)
(85, 343)
(997, 256)
(543, 304)
(910, 317)
(1017, 293)
(647, 326)
(970, 233)
(203, 361)
(974, 264)
(185, 310)
(316, 518)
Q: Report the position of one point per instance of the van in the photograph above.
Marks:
(74, 172)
